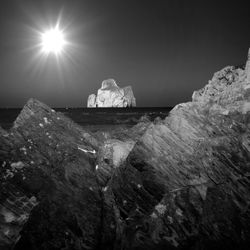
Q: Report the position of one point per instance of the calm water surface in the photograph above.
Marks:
(95, 117)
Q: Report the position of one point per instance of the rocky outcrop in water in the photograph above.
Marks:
(92, 101)
(110, 95)
(248, 67)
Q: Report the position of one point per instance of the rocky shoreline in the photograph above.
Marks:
(182, 182)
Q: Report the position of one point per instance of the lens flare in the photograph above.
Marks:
(53, 41)
(52, 47)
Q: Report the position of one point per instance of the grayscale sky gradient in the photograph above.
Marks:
(164, 49)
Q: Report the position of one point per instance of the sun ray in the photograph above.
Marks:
(52, 47)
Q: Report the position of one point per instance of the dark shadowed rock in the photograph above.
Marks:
(48, 181)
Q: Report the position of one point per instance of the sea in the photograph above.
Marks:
(95, 118)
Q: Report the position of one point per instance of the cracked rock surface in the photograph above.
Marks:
(50, 198)
(186, 182)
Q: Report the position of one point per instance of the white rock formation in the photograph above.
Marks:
(111, 95)
(247, 68)
(92, 101)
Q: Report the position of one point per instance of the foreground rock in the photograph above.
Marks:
(53, 175)
(116, 147)
(185, 184)
(110, 95)
(48, 183)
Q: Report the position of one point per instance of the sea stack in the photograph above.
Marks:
(247, 68)
(111, 95)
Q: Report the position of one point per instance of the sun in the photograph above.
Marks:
(53, 41)
(52, 46)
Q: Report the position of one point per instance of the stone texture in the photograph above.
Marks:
(247, 69)
(129, 99)
(92, 101)
(224, 88)
(112, 153)
(110, 95)
(185, 184)
(49, 198)
(115, 147)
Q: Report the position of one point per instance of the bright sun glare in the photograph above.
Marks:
(53, 41)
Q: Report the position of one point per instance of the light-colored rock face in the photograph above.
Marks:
(92, 101)
(129, 96)
(109, 84)
(226, 87)
(110, 95)
(111, 155)
(247, 69)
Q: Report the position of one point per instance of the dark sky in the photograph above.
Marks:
(164, 49)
